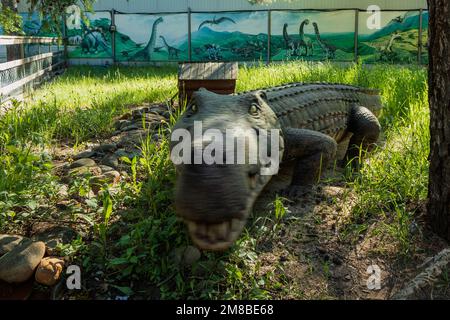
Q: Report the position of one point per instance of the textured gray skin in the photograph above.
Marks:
(215, 200)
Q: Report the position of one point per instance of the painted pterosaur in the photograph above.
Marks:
(215, 21)
(399, 19)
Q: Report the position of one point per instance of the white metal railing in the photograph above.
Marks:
(29, 61)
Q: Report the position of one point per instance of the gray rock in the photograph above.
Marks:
(152, 117)
(105, 168)
(83, 171)
(137, 113)
(63, 191)
(129, 154)
(130, 128)
(110, 177)
(111, 161)
(108, 147)
(19, 264)
(121, 153)
(191, 255)
(166, 115)
(9, 242)
(186, 256)
(119, 124)
(124, 124)
(84, 162)
(53, 236)
(84, 154)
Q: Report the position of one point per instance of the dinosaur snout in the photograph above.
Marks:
(214, 203)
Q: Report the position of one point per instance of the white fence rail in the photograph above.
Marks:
(27, 61)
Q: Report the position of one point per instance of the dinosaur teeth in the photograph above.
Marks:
(202, 230)
(212, 236)
(222, 230)
(218, 231)
(253, 180)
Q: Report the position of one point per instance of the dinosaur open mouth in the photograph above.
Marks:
(215, 237)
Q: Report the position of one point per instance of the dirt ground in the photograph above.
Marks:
(322, 262)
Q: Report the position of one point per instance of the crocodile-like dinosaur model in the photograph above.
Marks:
(146, 53)
(172, 51)
(215, 200)
(305, 42)
(329, 49)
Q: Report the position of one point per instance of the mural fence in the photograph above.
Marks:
(271, 35)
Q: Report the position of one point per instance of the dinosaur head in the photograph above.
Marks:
(306, 21)
(216, 147)
(159, 20)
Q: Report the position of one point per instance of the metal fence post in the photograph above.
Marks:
(189, 34)
(269, 35)
(420, 44)
(112, 30)
(356, 35)
(65, 40)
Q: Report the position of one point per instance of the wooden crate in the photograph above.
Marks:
(219, 77)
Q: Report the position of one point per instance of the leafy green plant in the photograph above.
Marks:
(107, 210)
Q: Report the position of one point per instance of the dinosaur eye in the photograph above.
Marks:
(194, 108)
(254, 110)
(191, 110)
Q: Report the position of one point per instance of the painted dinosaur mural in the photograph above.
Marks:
(230, 36)
(92, 39)
(321, 35)
(243, 36)
(151, 37)
(397, 39)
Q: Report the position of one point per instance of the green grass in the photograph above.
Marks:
(134, 231)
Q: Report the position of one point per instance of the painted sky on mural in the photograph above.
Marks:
(247, 22)
(336, 22)
(386, 18)
(139, 27)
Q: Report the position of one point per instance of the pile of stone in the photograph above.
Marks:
(22, 258)
(102, 162)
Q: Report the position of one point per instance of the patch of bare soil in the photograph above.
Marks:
(323, 260)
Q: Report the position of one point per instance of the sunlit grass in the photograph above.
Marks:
(83, 104)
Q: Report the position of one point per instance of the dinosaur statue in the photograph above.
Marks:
(216, 198)
(172, 51)
(215, 21)
(329, 49)
(305, 42)
(399, 19)
(147, 51)
(290, 46)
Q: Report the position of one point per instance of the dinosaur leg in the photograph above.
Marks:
(366, 129)
(313, 152)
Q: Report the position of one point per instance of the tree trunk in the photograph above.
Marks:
(13, 52)
(439, 99)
